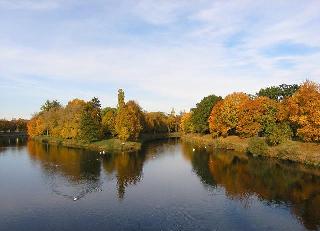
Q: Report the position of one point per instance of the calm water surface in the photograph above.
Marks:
(166, 186)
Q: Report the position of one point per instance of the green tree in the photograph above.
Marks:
(280, 92)
(48, 105)
(90, 122)
(201, 113)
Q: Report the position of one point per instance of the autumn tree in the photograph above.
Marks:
(90, 121)
(280, 92)
(262, 117)
(225, 114)
(129, 121)
(186, 125)
(255, 114)
(155, 122)
(108, 120)
(304, 111)
(36, 126)
(121, 99)
(201, 113)
(70, 119)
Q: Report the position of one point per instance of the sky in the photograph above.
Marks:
(163, 53)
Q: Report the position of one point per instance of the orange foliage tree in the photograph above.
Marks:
(304, 111)
(255, 114)
(226, 113)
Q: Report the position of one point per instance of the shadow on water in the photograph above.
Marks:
(272, 181)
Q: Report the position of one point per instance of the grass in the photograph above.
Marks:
(107, 145)
(230, 143)
(296, 151)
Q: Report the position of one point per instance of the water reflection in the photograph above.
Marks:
(126, 167)
(271, 181)
(72, 173)
(76, 173)
(12, 141)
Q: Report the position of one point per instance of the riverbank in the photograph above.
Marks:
(296, 151)
(107, 145)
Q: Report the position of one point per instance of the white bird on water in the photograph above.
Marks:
(75, 198)
(193, 149)
(100, 153)
(103, 152)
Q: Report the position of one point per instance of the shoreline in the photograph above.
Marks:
(108, 144)
(295, 151)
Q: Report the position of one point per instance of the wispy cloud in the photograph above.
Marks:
(164, 53)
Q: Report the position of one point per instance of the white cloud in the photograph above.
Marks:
(175, 70)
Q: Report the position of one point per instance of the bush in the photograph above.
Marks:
(278, 133)
(257, 146)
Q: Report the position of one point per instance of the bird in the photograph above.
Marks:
(100, 153)
(103, 152)
(75, 198)
(205, 147)
(193, 149)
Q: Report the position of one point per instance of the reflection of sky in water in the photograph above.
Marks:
(165, 186)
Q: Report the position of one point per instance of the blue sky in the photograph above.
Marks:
(163, 53)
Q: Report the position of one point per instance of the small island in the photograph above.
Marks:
(86, 125)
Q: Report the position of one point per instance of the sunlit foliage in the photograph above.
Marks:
(226, 113)
(129, 121)
(304, 111)
(186, 125)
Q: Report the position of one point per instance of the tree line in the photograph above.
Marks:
(277, 113)
(14, 125)
(88, 121)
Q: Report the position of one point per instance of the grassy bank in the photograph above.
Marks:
(306, 153)
(108, 145)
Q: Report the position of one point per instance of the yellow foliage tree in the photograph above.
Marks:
(186, 125)
(129, 121)
(70, 119)
(304, 111)
(225, 114)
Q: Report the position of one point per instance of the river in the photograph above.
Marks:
(165, 186)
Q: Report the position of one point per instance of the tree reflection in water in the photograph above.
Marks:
(74, 172)
(272, 181)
